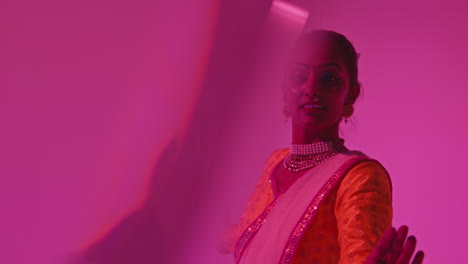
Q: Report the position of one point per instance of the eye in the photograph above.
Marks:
(298, 77)
(330, 79)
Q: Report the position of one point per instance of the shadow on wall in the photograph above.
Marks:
(183, 178)
(151, 233)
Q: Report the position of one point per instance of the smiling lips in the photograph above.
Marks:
(313, 106)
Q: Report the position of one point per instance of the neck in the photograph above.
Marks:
(304, 135)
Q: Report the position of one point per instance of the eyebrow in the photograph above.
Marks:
(303, 65)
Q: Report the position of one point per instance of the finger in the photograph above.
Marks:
(397, 244)
(381, 249)
(418, 258)
(407, 251)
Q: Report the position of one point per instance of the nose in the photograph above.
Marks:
(311, 90)
(311, 87)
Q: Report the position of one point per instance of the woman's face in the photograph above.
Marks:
(317, 86)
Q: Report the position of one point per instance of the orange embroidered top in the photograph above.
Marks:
(348, 223)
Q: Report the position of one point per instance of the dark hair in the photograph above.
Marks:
(348, 53)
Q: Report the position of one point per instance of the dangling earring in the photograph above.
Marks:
(347, 112)
(286, 115)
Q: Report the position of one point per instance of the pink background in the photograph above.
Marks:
(92, 92)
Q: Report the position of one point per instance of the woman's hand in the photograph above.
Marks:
(392, 248)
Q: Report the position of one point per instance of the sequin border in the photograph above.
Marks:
(253, 228)
(306, 219)
(250, 232)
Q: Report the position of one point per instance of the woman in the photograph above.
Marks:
(316, 202)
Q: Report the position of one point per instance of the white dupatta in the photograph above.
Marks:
(274, 236)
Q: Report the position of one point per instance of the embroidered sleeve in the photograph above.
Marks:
(363, 210)
(259, 199)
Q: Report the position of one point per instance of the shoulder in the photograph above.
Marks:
(367, 166)
(275, 157)
(271, 163)
(361, 165)
(279, 153)
(368, 174)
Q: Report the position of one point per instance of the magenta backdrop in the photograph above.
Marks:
(91, 92)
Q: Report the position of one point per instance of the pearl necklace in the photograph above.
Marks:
(306, 156)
